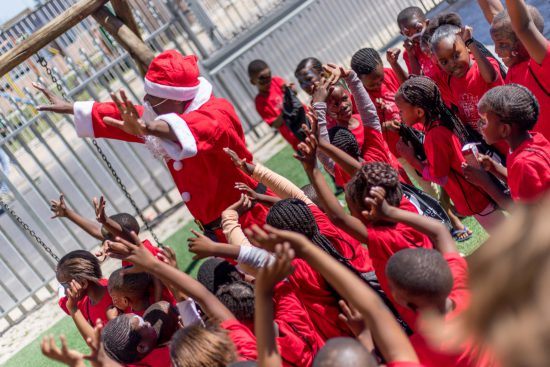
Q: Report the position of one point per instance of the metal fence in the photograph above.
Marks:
(47, 157)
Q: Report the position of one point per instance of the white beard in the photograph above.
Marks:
(152, 143)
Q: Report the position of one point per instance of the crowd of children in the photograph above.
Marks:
(378, 281)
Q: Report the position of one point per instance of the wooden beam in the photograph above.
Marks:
(124, 12)
(55, 28)
(139, 50)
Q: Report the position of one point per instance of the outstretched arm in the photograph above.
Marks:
(486, 69)
(392, 55)
(60, 209)
(490, 8)
(349, 164)
(533, 40)
(390, 338)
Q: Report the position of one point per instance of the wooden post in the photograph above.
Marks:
(124, 12)
(55, 28)
(139, 50)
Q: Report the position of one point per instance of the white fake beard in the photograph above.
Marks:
(152, 143)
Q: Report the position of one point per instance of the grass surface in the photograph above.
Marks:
(284, 164)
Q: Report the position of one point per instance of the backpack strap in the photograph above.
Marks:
(538, 82)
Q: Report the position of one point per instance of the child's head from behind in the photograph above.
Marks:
(344, 140)
(238, 297)
(311, 193)
(418, 100)
(308, 72)
(293, 215)
(412, 23)
(78, 265)
(260, 75)
(371, 175)
(507, 45)
(197, 346)
(128, 338)
(344, 351)
(215, 272)
(128, 289)
(339, 105)
(164, 318)
(451, 51)
(126, 221)
(368, 66)
(507, 111)
(419, 278)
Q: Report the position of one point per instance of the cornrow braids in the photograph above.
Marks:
(365, 61)
(238, 297)
(120, 340)
(80, 265)
(513, 103)
(375, 174)
(421, 91)
(343, 139)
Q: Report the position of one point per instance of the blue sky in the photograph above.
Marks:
(9, 8)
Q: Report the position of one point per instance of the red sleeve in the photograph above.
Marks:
(242, 337)
(439, 151)
(404, 364)
(374, 147)
(542, 71)
(407, 61)
(496, 66)
(63, 304)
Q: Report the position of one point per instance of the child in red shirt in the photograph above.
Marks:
(520, 43)
(509, 113)
(419, 100)
(269, 100)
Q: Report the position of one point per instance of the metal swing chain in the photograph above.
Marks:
(44, 63)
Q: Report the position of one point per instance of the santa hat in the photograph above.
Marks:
(173, 76)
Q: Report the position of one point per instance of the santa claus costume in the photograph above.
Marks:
(201, 170)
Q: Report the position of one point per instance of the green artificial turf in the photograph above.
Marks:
(284, 164)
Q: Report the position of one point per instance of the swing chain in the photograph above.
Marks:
(26, 227)
(44, 63)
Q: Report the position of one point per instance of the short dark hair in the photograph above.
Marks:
(313, 62)
(420, 271)
(215, 272)
(256, 66)
(164, 318)
(136, 284)
(343, 139)
(513, 104)
(238, 297)
(407, 14)
(374, 174)
(344, 351)
(365, 61)
(311, 193)
(120, 340)
(503, 19)
(127, 222)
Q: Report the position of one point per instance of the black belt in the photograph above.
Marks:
(217, 223)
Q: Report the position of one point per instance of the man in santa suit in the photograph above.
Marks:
(182, 122)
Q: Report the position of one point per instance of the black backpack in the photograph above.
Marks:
(294, 114)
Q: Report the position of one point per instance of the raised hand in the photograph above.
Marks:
(322, 90)
(308, 150)
(201, 246)
(168, 256)
(392, 55)
(336, 72)
(74, 294)
(58, 208)
(97, 356)
(64, 355)
(378, 206)
(466, 33)
(270, 275)
(57, 104)
(245, 189)
(244, 204)
(391, 125)
(240, 163)
(352, 317)
(131, 122)
(133, 252)
(99, 207)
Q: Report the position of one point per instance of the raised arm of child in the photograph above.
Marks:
(143, 260)
(110, 225)
(392, 55)
(534, 41)
(60, 210)
(486, 69)
(490, 8)
(389, 337)
(74, 294)
(349, 164)
(267, 278)
(322, 91)
(330, 203)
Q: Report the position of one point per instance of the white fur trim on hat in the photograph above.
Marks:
(203, 95)
(169, 92)
(187, 146)
(83, 119)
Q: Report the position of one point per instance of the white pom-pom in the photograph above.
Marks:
(185, 196)
(177, 165)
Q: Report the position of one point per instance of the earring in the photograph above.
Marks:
(514, 53)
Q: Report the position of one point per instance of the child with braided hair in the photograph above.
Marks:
(509, 113)
(419, 100)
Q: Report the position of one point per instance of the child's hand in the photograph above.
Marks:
(392, 55)
(408, 45)
(268, 237)
(308, 150)
(466, 33)
(101, 253)
(270, 275)
(58, 208)
(168, 256)
(336, 72)
(244, 204)
(201, 246)
(74, 294)
(240, 163)
(131, 122)
(486, 162)
(133, 252)
(321, 91)
(246, 190)
(99, 207)
(64, 355)
(378, 206)
(351, 317)
(97, 356)
(391, 125)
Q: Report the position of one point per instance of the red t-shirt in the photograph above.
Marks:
(537, 79)
(90, 311)
(404, 364)
(384, 101)
(529, 169)
(444, 158)
(243, 338)
(468, 90)
(270, 107)
(158, 357)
